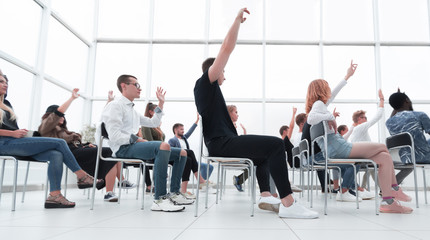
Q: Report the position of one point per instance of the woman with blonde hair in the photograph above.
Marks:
(319, 96)
(17, 142)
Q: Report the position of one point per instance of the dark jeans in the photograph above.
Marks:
(267, 153)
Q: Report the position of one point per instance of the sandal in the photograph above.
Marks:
(58, 201)
(87, 181)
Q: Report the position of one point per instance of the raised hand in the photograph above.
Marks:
(351, 70)
(240, 15)
(335, 114)
(294, 110)
(75, 93)
(160, 94)
(111, 97)
(381, 96)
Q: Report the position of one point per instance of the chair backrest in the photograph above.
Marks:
(104, 132)
(317, 131)
(296, 151)
(399, 140)
(304, 151)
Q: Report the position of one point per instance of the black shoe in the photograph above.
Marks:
(236, 184)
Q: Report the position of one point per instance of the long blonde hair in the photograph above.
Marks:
(4, 107)
(318, 90)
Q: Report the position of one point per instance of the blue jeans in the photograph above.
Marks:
(52, 150)
(204, 172)
(151, 150)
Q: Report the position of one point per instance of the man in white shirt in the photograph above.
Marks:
(122, 124)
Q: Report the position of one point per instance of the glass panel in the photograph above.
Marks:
(223, 13)
(249, 117)
(401, 20)
(289, 69)
(348, 20)
(406, 68)
(360, 86)
(114, 60)
(279, 114)
(243, 72)
(19, 92)
(82, 24)
(20, 26)
(186, 23)
(52, 94)
(347, 109)
(123, 19)
(66, 56)
(283, 18)
(176, 68)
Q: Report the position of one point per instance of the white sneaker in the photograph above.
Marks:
(203, 188)
(189, 195)
(346, 197)
(269, 203)
(165, 205)
(111, 197)
(294, 188)
(366, 195)
(296, 211)
(179, 199)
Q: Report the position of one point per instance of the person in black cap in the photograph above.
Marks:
(18, 142)
(54, 124)
(405, 119)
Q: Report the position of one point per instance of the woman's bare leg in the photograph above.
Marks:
(378, 153)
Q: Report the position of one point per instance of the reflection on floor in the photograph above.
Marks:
(227, 220)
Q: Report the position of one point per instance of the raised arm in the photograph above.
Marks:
(349, 72)
(227, 47)
(291, 127)
(63, 108)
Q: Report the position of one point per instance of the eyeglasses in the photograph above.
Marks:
(364, 117)
(4, 78)
(137, 85)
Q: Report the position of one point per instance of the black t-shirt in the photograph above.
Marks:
(8, 124)
(307, 135)
(288, 147)
(211, 106)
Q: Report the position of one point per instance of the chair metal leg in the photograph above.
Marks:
(1, 177)
(138, 182)
(425, 185)
(24, 188)
(15, 179)
(196, 208)
(218, 183)
(207, 185)
(376, 189)
(143, 166)
(47, 181)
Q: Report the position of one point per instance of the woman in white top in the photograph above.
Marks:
(319, 96)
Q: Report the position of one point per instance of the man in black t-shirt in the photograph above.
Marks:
(221, 139)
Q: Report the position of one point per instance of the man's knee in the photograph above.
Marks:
(183, 153)
(164, 146)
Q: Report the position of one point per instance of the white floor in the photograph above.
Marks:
(229, 219)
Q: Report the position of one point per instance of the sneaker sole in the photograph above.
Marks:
(392, 211)
(56, 205)
(111, 200)
(269, 207)
(161, 210)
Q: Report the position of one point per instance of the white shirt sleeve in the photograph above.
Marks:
(319, 113)
(112, 117)
(153, 122)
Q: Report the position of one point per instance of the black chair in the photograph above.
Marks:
(319, 131)
(405, 140)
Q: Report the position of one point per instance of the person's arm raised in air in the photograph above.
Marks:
(49, 123)
(349, 73)
(292, 122)
(217, 68)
